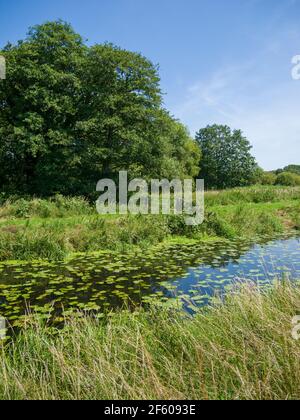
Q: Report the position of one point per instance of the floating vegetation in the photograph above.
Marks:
(177, 275)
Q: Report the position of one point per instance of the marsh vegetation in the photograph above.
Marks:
(60, 258)
(141, 307)
(242, 349)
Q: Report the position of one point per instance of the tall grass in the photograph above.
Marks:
(58, 206)
(56, 238)
(256, 194)
(240, 350)
(57, 227)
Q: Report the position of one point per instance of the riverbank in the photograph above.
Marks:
(55, 229)
(242, 349)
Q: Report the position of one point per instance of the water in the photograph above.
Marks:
(260, 264)
(191, 274)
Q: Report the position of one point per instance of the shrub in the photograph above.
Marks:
(72, 206)
(256, 194)
(268, 178)
(217, 226)
(288, 179)
(30, 245)
(57, 206)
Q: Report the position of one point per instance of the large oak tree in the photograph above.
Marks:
(72, 114)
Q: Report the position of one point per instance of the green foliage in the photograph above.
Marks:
(39, 106)
(57, 206)
(292, 168)
(55, 239)
(243, 220)
(55, 228)
(295, 169)
(288, 179)
(215, 225)
(295, 216)
(255, 194)
(268, 178)
(226, 158)
(30, 244)
(72, 114)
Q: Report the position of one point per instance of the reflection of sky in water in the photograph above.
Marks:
(109, 280)
(261, 264)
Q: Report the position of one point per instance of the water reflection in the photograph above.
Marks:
(110, 280)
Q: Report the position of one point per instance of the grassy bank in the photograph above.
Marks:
(240, 350)
(55, 228)
(255, 194)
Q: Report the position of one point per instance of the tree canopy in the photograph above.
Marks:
(72, 114)
(295, 169)
(227, 161)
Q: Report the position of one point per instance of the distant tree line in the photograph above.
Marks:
(294, 169)
(72, 114)
(288, 176)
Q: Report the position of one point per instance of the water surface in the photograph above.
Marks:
(190, 272)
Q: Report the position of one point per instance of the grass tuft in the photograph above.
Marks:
(55, 228)
(242, 349)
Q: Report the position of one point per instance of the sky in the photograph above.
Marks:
(220, 61)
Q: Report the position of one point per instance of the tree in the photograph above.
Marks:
(119, 113)
(123, 122)
(72, 114)
(288, 179)
(39, 107)
(226, 158)
(268, 178)
(295, 169)
(180, 155)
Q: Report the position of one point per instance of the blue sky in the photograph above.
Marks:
(221, 61)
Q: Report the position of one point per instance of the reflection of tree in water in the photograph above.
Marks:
(108, 281)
